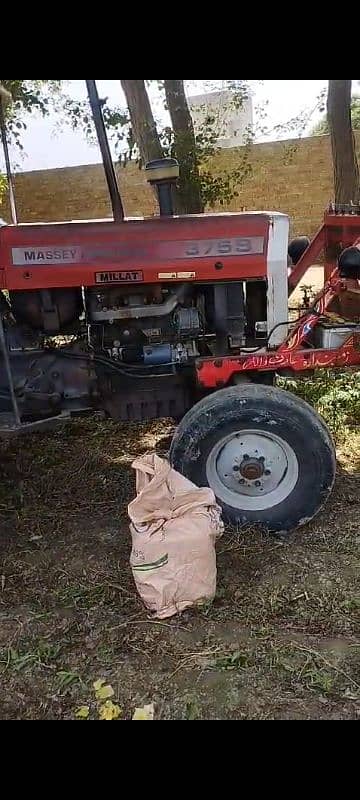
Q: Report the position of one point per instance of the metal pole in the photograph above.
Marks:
(14, 215)
(9, 374)
(96, 108)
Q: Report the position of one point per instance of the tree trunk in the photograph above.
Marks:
(189, 194)
(5, 96)
(142, 120)
(346, 168)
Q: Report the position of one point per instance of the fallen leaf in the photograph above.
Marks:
(98, 685)
(102, 691)
(109, 711)
(146, 713)
(105, 693)
(83, 712)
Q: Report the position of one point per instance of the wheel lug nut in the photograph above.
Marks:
(246, 458)
(242, 482)
(262, 459)
(236, 469)
(257, 483)
(267, 472)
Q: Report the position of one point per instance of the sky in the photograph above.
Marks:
(46, 147)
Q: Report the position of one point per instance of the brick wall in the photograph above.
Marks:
(294, 177)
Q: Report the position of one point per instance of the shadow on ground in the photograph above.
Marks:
(280, 642)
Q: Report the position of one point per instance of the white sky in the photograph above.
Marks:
(46, 147)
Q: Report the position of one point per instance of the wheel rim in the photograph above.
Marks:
(252, 470)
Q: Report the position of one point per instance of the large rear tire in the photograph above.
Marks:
(267, 455)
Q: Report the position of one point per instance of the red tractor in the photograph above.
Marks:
(184, 317)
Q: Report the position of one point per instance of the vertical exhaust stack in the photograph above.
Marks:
(97, 112)
(163, 174)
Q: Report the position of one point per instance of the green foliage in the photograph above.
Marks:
(78, 115)
(28, 96)
(223, 187)
(32, 94)
(216, 187)
(230, 662)
(336, 395)
(3, 185)
(322, 127)
(43, 654)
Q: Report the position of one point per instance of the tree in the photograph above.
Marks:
(178, 141)
(322, 128)
(197, 186)
(346, 168)
(185, 147)
(145, 134)
(135, 133)
(146, 139)
(142, 120)
(28, 96)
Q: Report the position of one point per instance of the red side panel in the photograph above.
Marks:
(204, 248)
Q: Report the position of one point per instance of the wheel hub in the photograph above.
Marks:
(252, 470)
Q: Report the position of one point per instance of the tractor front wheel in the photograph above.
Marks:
(267, 455)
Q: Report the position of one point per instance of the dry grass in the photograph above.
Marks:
(280, 642)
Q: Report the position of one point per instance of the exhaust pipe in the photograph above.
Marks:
(163, 174)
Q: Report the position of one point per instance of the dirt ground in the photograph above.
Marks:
(280, 642)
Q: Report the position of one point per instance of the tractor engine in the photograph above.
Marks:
(151, 325)
(128, 350)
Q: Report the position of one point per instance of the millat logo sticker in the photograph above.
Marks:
(132, 276)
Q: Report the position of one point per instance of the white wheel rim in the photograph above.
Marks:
(252, 470)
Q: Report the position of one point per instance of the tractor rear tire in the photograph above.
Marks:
(267, 455)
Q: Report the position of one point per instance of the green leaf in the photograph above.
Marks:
(83, 712)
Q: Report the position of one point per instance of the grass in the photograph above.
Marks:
(281, 640)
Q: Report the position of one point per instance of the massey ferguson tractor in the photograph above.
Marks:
(184, 317)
